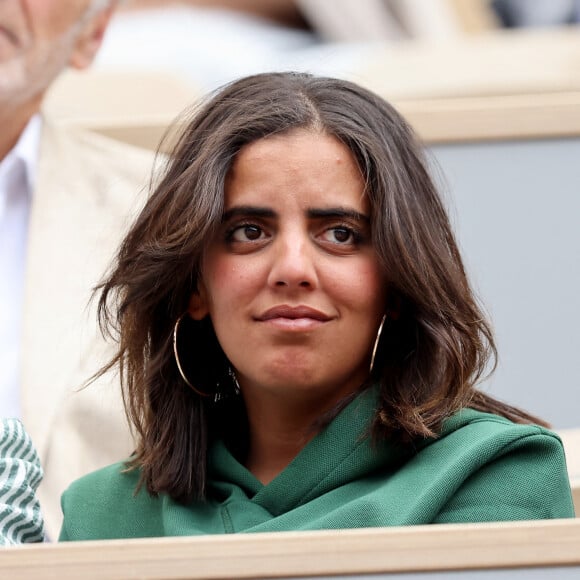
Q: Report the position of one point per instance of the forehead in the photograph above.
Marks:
(306, 166)
(312, 150)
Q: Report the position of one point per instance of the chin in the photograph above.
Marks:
(303, 382)
(296, 379)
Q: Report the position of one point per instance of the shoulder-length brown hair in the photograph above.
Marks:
(432, 352)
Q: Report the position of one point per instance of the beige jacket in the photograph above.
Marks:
(88, 189)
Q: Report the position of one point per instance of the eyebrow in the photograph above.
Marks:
(338, 212)
(313, 213)
(248, 210)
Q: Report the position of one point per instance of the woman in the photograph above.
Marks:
(298, 341)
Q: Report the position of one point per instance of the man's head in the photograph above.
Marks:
(40, 38)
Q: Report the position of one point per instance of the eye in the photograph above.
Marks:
(341, 235)
(246, 233)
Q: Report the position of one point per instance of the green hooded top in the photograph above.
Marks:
(481, 468)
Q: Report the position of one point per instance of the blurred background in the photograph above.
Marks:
(492, 87)
(407, 49)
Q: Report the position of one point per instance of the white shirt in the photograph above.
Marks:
(17, 180)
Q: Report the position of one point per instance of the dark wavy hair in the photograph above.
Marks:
(431, 355)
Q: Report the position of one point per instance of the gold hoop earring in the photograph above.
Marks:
(176, 355)
(376, 345)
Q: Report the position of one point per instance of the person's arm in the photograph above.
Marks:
(282, 11)
(529, 481)
(20, 474)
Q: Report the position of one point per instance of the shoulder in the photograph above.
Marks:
(500, 470)
(16, 447)
(88, 168)
(96, 154)
(20, 475)
(102, 504)
(114, 482)
(67, 134)
(486, 437)
(127, 158)
(498, 435)
(475, 425)
(113, 476)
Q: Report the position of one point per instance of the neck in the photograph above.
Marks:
(274, 442)
(278, 430)
(13, 120)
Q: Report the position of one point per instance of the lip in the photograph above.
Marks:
(293, 313)
(297, 318)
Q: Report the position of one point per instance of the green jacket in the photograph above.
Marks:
(481, 468)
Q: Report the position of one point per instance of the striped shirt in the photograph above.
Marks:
(20, 474)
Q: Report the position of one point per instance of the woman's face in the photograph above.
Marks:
(292, 282)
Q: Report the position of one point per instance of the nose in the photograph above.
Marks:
(293, 263)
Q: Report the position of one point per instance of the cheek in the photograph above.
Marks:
(377, 288)
(230, 282)
(362, 287)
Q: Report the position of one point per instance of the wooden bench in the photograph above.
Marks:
(550, 548)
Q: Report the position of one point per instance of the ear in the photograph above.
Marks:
(198, 304)
(90, 38)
